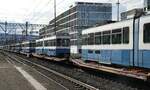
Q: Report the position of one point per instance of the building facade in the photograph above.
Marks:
(147, 5)
(131, 13)
(80, 16)
(142, 6)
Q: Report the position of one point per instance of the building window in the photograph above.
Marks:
(116, 36)
(126, 35)
(148, 5)
(146, 35)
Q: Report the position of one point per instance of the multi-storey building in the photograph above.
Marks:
(147, 5)
(80, 16)
(143, 6)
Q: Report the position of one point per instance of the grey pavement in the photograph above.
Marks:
(12, 79)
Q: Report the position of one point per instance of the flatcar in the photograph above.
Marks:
(123, 43)
(55, 46)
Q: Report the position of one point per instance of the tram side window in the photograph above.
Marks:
(84, 39)
(98, 38)
(26, 45)
(106, 37)
(58, 42)
(32, 45)
(90, 51)
(65, 42)
(38, 44)
(91, 39)
(54, 42)
(146, 35)
(116, 36)
(46, 43)
(126, 35)
(97, 52)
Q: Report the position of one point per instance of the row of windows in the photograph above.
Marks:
(50, 43)
(73, 16)
(63, 42)
(58, 42)
(93, 8)
(116, 36)
(66, 13)
(94, 16)
(25, 45)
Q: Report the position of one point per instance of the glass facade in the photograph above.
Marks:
(81, 16)
(148, 5)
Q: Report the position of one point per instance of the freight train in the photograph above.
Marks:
(125, 43)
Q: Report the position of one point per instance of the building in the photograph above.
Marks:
(143, 6)
(131, 13)
(147, 5)
(80, 16)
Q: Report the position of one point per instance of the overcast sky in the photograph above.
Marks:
(41, 11)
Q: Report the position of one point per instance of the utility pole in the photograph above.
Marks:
(5, 32)
(118, 10)
(55, 17)
(26, 31)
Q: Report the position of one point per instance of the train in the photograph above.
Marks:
(125, 43)
(54, 46)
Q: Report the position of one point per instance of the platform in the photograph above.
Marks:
(22, 77)
(119, 71)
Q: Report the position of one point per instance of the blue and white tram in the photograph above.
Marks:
(17, 48)
(142, 42)
(28, 47)
(55, 46)
(124, 43)
(39, 49)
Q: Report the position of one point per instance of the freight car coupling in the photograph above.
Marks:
(136, 73)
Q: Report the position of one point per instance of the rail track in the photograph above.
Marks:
(103, 81)
(65, 81)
